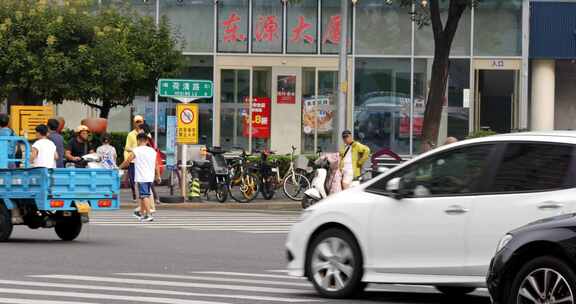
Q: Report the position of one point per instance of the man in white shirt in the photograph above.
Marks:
(146, 172)
(43, 150)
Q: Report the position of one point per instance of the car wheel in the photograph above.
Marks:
(455, 291)
(544, 280)
(334, 264)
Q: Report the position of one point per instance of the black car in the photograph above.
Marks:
(536, 264)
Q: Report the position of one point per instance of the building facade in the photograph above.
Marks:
(275, 69)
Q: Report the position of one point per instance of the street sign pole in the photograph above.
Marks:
(185, 91)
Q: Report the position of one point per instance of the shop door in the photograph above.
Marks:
(286, 109)
(496, 97)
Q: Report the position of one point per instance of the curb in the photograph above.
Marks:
(288, 206)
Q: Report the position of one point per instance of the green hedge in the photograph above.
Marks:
(118, 141)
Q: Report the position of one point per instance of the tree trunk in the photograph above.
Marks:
(443, 38)
(436, 94)
(105, 109)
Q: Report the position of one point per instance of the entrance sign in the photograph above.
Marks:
(260, 118)
(24, 119)
(286, 90)
(187, 129)
(185, 90)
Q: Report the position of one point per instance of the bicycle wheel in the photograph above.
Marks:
(244, 188)
(295, 185)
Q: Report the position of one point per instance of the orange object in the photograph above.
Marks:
(96, 125)
(56, 204)
(104, 203)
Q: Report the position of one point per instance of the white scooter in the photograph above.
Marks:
(320, 185)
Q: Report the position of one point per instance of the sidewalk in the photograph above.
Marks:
(278, 203)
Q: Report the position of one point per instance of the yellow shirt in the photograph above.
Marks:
(131, 143)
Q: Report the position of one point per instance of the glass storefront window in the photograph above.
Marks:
(233, 20)
(235, 91)
(193, 20)
(498, 28)
(382, 103)
(424, 38)
(302, 32)
(308, 110)
(456, 111)
(327, 111)
(332, 27)
(390, 23)
(261, 109)
(267, 26)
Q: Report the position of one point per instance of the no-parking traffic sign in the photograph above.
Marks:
(187, 129)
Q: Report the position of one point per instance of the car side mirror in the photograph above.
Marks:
(394, 186)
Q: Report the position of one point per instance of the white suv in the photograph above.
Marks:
(437, 219)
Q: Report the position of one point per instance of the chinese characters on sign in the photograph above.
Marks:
(267, 28)
(187, 131)
(332, 33)
(231, 29)
(299, 33)
(260, 118)
(286, 91)
(185, 88)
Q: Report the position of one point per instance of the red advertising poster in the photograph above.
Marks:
(286, 89)
(260, 118)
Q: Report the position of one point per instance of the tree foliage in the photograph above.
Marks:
(75, 50)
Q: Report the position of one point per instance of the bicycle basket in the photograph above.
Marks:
(301, 162)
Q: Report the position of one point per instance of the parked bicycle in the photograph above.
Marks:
(267, 172)
(243, 185)
(295, 182)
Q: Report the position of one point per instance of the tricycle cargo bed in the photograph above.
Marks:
(60, 189)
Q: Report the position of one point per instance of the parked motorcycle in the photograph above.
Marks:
(327, 179)
(213, 174)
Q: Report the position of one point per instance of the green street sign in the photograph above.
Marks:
(185, 89)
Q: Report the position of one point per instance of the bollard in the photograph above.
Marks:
(194, 194)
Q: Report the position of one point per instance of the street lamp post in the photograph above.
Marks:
(343, 68)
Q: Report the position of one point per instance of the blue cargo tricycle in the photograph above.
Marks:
(50, 198)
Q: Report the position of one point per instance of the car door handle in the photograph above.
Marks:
(550, 206)
(456, 210)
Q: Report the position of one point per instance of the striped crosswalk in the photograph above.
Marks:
(188, 288)
(248, 222)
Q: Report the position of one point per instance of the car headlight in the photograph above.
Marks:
(503, 242)
(305, 214)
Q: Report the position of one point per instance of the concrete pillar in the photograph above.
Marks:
(543, 94)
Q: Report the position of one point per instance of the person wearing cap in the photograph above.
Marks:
(131, 143)
(353, 155)
(79, 146)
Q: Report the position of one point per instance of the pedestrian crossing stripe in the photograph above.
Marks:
(244, 222)
(226, 288)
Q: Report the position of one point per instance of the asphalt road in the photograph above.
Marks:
(184, 257)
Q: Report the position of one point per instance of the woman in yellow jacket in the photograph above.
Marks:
(352, 157)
